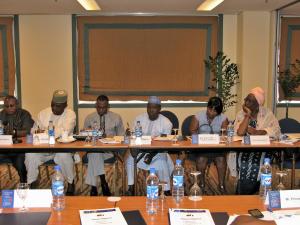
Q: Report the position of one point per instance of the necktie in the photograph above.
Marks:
(102, 123)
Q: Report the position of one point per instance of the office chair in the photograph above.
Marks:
(172, 117)
(185, 127)
(289, 125)
(111, 161)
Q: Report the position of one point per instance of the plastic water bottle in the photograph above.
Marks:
(138, 133)
(58, 196)
(95, 133)
(127, 136)
(230, 132)
(1, 128)
(152, 192)
(265, 178)
(178, 182)
(51, 133)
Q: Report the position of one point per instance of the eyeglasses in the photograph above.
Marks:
(10, 106)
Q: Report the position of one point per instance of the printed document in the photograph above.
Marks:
(102, 216)
(190, 217)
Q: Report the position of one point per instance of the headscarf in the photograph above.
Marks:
(259, 95)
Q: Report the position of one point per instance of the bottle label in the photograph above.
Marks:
(94, 133)
(152, 192)
(266, 179)
(178, 181)
(57, 188)
(138, 132)
(1, 131)
(230, 131)
(51, 132)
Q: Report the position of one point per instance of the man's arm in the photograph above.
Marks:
(27, 123)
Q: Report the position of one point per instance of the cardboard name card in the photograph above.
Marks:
(208, 139)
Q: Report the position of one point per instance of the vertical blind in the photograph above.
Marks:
(7, 59)
(131, 57)
(289, 46)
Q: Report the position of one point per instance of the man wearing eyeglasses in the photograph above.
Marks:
(18, 120)
(110, 124)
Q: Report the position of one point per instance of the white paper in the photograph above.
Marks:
(259, 139)
(190, 217)
(6, 140)
(109, 141)
(42, 137)
(38, 198)
(208, 139)
(144, 140)
(167, 138)
(290, 198)
(102, 216)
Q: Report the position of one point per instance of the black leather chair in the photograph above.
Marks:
(289, 125)
(172, 117)
(185, 127)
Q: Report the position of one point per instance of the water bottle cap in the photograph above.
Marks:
(152, 170)
(267, 160)
(57, 167)
(178, 161)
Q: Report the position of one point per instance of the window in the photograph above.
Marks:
(289, 46)
(131, 57)
(7, 58)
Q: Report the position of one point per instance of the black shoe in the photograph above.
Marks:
(34, 184)
(71, 189)
(167, 193)
(105, 189)
(94, 191)
(130, 191)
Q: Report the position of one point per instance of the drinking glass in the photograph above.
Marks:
(162, 197)
(22, 191)
(281, 174)
(36, 139)
(88, 140)
(223, 137)
(175, 137)
(195, 191)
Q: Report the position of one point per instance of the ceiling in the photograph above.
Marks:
(142, 6)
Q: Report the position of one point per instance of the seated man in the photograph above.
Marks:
(15, 118)
(154, 124)
(63, 120)
(111, 125)
(253, 119)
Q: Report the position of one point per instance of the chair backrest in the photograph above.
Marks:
(172, 117)
(185, 127)
(289, 125)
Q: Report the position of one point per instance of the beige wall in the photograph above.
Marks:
(254, 37)
(46, 60)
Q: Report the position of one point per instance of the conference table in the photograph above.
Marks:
(183, 145)
(70, 215)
